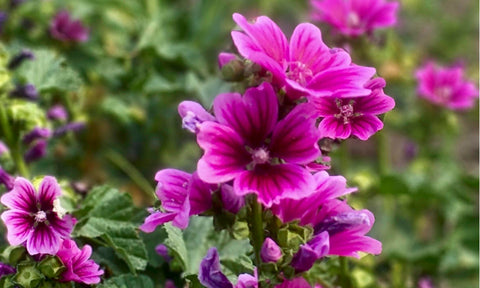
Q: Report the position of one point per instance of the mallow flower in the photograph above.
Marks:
(446, 86)
(80, 268)
(261, 154)
(304, 65)
(36, 219)
(64, 28)
(182, 195)
(357, 116)
(355, 17)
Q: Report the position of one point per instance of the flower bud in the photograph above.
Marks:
(270, 252)
(6, 179)
(27, 91)
(65, 29)
(36, 133)
(37, 151)
(308, 253)
(57, 112)
(210, 274)
(233, 70)
(162, 250)
(19, 58)
(73, 126)
(225, 58)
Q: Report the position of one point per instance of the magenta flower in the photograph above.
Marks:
(310, 252)
(193, 114)
(182, 195)
(326, 188)
(65, 29)
(446, 86)
(35, 219)
(224, 58)
(355, 17)
(346, 116)
(305, 66)
(57, 112)
(250, 146)
(210, 274)
(270, 252)
(80, 268)
(296, 283)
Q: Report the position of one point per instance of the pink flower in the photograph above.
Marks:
(182, 194)
(79, 268)
(224, 58)
(250, 146)
(296, 283)
(446, 86)
(193, 114)
(355, 17)
(346, 116)
(270, 252)
(35, 219)
(63, 28)
(305, 66)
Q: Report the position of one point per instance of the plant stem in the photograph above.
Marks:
(18, 159)
(256, 230)
(383, 153)
(345, 279)
(13, 144)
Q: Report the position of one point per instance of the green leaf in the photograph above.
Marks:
(176, 244)
(127, 281)
(107, 214)
(27, 275)
(49, 72)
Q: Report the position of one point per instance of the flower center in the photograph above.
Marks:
(40, 216)
(345, 111)
(260, 156)
(443, 93)
(298, 72)
(353, 20)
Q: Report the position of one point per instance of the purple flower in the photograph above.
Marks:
(326, 188)
(162, 250)
(6, 269)
(296, 283)
(35, 134)
(182, 194)
(210, 274)
(305, 66)
(57, 112)
(446, 86)
(170, 284)
(27, 91)
(250, 146)
(308, 253)
(80, 268)
(247, 280)
(19, 58)
(193, 114)
(6, 179)
(346, 229)
(37, 151)
(355, 17)
(270, 252)
(345, 116)
(230, 200)
(36, 219)
(65, 29)
(224, 58)
(72, 126)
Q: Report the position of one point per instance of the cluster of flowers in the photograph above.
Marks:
(265, 142)
(36, 220)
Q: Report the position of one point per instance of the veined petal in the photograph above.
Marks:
(365, 126)
(155, 219)
(182, 218)
(324, 106)
(376, 103)
(63, 226)
(172, 188)
(295, 137)
(200, 195)
(252, 116)
(43, 240)
(334, 128)
(348, 244)
(266, 35)
(22, 197)
(272, 183)
(19, 225)
(225, 154)
(48, 191)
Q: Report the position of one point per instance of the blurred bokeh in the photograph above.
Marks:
(419, 175)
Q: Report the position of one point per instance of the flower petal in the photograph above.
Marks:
(172, 188)
(21, 197)
(225, 155)
(200, 195)
(43, 240)
(252, 116)
(155, 219)
(19, 225)
(63, 226)
(376, 103)
(365, 126)
(272, 183)
(334, 128)
(295, 137)
(48, 191)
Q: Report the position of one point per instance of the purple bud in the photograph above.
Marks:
(19, 58)
(343, 221)
(57, 112)
(3, 148)
(193, 114)
(6, 269)
(27, 91)
(425, 282)
(247, 280)
(63, 28)
(6, 179)
(37, 133)
(73, 126)
(37, 151)
(210, 274)
(308, 253)
(162, 250)
(169, 284)
(230, 200)
(270, 252)
(224, 58)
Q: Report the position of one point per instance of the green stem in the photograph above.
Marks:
(383, 153)
(13, 144)
(132, 172)
(18, 159)
(256, 231)
(346, 281)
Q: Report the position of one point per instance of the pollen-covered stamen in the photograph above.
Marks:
(57, 208)
(260, 156)
(40, 216)
(343, 221)
(346, 111)
(299, 72)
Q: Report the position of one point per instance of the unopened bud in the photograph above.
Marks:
(270, 252)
